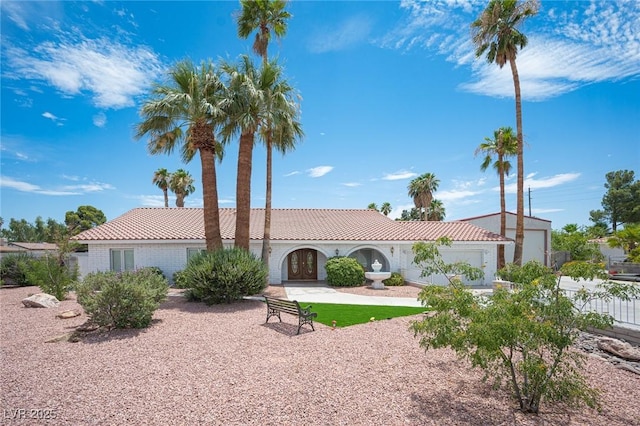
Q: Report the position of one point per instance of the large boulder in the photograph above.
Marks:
(619, 348)
(41, 300)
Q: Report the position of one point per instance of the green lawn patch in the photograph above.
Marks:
(346, 315)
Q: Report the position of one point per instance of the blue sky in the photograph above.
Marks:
(390, 90)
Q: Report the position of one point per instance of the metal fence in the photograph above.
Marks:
(623, 311)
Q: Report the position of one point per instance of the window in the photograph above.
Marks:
(122, 260)
(193, 251)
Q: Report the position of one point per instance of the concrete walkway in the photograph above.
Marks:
(325, 294)
(322, 293)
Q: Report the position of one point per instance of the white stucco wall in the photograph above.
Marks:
(479, 255)
(172, 257)
(537, 236)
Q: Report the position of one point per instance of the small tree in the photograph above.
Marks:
(522, 336)
(427, 257)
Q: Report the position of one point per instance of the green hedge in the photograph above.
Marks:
(222, 276)
(344, 272)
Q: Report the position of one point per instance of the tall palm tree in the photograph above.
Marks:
(282, 130)
(181, 184)
(421, 189)
(372, 206)
(161, 180)
(189, 100)
(495, 33)
(258, 100)
(385, 208)
(504, 144)
(267, 17)
(436, 211)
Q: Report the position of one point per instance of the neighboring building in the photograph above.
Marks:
(537, 235)
(611, 254)
(301, 241)
(33, 249)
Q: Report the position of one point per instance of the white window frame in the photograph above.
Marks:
(125, 260)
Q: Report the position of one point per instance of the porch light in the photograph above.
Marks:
(337, 252)
(391, 249)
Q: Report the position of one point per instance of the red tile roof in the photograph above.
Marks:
(286, 225)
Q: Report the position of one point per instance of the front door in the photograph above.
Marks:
(303, 265)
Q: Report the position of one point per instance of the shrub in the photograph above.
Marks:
(344, 272)
(122, 300)
(523, 336)
(223, 276)
(396, 279)
(13, 269)
(52, 274)
(180, 280)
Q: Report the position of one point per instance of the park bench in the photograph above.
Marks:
(276, 306)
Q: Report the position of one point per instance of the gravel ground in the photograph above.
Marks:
(222, 365)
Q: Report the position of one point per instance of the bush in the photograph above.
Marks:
(522, 336)
(344, 272)
(13, 269)
(180, 280)
(122, 300)
(222, 276)
(396, 279)
(52, 275)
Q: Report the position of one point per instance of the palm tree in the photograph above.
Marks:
(372, 206)
(385, 209)
(495, 32)
(504, 144)
(257, 101)
(421, 189)
(281, 130)
(161, 180)
(190, 100)
(436, 211)
(266, 16)
(181, 184)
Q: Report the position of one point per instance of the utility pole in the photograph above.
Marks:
(529, 201)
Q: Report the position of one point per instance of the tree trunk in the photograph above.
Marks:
(210, 200)
(503, 212)
(243, 190)
(517, 253)
(166, 197)
(266, 239)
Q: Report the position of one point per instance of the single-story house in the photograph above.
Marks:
(32, 249)
(301, 241)
(537, 235)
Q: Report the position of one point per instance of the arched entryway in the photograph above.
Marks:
(366, 256)
(302, 264)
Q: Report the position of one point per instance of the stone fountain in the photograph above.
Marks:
(377, 276)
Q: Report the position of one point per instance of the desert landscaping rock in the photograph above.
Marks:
(222, 365)
(68, 314)
(619, 348)
(41, 300)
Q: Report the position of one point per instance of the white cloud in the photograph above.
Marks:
(22, 186)
(16, 13)
(292, 173)
(549, 182)
(343, 36)
(568, 47)
(53, 118)
(399, 175)
(319, 171)
(100, 119)
(352, 184)
(112, 73)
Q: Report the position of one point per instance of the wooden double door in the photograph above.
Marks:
(303, 265)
